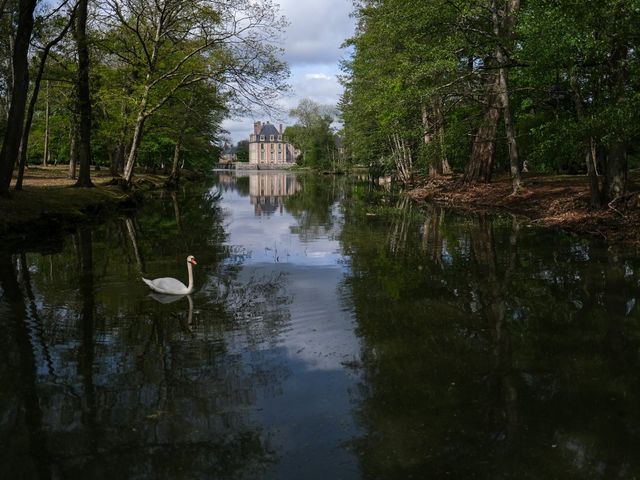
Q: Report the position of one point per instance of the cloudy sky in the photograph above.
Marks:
(312, 50)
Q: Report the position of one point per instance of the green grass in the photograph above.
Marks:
(55, 206)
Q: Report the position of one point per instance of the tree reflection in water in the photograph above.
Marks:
(484, 348)
(116, 384)
(490, 351)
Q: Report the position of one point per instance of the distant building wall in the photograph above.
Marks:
(267, 146)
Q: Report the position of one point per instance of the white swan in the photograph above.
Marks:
(172, 286)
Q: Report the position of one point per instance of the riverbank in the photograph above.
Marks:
(560, 202)
(48, 201)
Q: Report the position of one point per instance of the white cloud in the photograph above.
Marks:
(316, 30)
(312, 49)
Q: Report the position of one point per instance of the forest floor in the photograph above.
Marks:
(560, 201)
(48, 201)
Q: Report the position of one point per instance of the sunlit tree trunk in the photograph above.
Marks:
(84, 97)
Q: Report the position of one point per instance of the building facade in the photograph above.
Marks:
(268, 146)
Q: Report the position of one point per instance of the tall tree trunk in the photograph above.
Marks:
(117, 160)
(84, 97)
(433, 129)
(514, 160)
(135, 143)
(15, 119)
(45, 153)
(142, 109)
(616, 172)
(590, 160)
(480, 166)
(175, 165)
(503, 29)
(443, 163)
(24, 142)
(73, 150)
(615, 184)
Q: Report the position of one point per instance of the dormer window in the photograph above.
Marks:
(279, 138)
(262, 138)
(271, 138)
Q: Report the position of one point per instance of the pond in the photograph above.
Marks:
(336, 331)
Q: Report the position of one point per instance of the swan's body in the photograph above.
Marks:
(171, 286)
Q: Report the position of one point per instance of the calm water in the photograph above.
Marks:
(336, 332)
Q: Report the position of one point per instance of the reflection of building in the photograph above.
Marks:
(267, 146)
(267, 191)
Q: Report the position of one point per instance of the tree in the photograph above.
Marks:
(20, 84)
(242, 151)
(428, 84)
(312, 135)
(173, 44)
(84, 97)
(24, 142)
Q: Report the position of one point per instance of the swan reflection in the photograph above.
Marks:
(167, 299)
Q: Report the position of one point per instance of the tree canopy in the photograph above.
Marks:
(135, 82)
(429, 82)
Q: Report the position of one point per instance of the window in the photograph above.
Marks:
(271, 138)
(279, 138)
(262, 138)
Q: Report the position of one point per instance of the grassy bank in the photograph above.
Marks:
(49, 202)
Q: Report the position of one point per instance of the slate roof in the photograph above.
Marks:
(267, 130)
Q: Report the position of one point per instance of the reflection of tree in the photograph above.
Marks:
(86, 352)
(312, 206)
(488, 351)
(128, 380)
(491, 290)
(19, 395)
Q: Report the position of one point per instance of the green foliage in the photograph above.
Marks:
(184, 82)
(242, 151)
(573, 80)
(313, 135)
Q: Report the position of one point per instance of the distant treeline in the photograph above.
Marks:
(128, 83)
(496, 85)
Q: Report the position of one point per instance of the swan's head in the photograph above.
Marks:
(192, 260)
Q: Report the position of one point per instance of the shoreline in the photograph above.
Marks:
(50, 205)
(557, 202)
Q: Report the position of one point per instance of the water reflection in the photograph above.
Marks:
(346, 333)
(489, 350)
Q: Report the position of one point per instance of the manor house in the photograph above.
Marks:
(267, 145)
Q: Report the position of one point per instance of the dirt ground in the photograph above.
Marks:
(57, 176)
(552, 201)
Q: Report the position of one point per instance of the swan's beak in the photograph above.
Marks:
(193, 261)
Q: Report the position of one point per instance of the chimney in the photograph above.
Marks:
(257, 126)
(280, 129)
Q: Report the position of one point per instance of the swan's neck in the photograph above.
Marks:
(190, 270)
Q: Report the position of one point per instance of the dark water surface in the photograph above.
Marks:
(336, 332)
